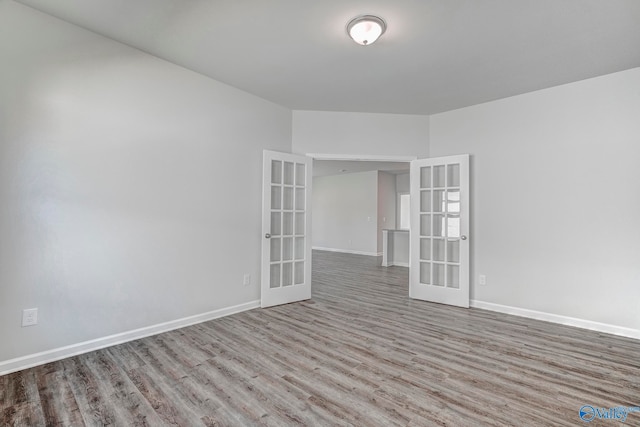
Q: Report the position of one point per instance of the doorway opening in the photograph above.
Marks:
(353, 201)
(357, 208)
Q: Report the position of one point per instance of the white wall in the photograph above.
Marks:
(386, 204)
(555, 197)
(322, 132)
(345, 209)
(130, 188)
(402, 183)
(402, 187)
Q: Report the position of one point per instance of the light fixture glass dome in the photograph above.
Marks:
(366, 29)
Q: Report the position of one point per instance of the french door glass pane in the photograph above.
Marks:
(299, 248)
(438, 225)
(300, 174)
(438, 249)
(453, 250)
(425, 177)
(275, 276)
(453, 175)
(287, 249)
(275, 249)
(425, 201)
(287, 199)
(287, 223)
(276, 197)
(276, 172)
(453, 226)
(438, 201)
(299, 223)
(287, 274)
(425, 249)
(299, 199)
(453, 201)
(425, 225)
(299, 273)
(288, 173)
(438, 274)
(276, 229)
(425, 273)
(453, 276)
(439, 176)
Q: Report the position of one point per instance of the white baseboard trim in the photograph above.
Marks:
(556, 318)
(346, 251)
(401, 264)
(397, 264)
(29, 361)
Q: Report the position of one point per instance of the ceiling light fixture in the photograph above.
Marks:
(366, 29)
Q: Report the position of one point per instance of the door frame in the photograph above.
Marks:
(361, 157)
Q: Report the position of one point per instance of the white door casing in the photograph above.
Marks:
(286, 228)
(439, 239)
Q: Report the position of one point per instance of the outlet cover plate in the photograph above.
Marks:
(30, 317)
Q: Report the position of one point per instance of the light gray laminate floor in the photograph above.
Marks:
(360, 352)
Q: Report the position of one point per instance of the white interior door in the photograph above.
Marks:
(439, 269)
(286, 228)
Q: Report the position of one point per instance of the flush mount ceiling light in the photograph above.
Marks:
(366, 29)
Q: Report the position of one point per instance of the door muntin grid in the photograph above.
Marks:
(439, 226)
(288, 208)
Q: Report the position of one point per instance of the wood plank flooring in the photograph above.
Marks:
(360, 352)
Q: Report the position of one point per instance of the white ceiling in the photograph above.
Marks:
(436, 55)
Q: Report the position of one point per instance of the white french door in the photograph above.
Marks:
(286, 228)
(439, 230)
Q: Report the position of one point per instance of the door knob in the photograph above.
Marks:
(267, 236)
(463, 237)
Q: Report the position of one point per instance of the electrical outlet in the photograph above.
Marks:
(482, 279)
(30, 317)
(246, 280)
